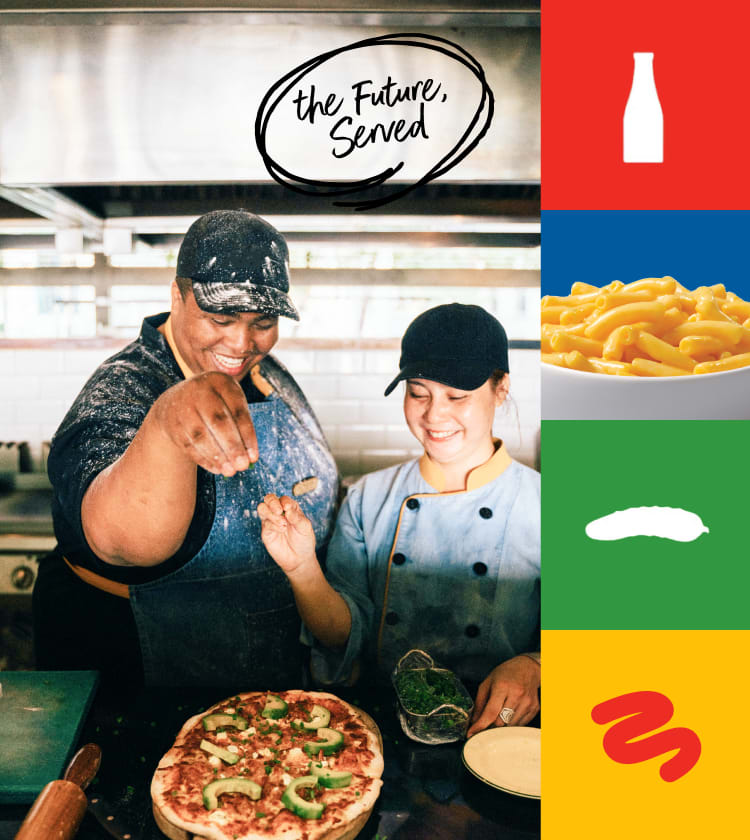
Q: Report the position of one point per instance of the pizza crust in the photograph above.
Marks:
(175, 833)
(351, 817)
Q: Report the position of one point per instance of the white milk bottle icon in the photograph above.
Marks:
(643, 123)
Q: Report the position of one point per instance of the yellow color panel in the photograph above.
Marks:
(587, 795)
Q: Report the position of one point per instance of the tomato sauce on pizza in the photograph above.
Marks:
(296, 765)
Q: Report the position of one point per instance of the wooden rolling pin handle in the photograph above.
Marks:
(56, 813)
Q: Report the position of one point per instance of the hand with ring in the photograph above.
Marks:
(509, 696)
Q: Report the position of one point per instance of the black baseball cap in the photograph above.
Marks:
(456, 344)
(238, 262)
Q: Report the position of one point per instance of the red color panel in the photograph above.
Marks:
(702, 73)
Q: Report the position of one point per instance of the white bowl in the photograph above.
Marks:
(578, 395)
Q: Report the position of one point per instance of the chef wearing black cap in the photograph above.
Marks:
(157, 471)
(442, 552)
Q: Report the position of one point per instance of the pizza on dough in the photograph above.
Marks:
(296, 765)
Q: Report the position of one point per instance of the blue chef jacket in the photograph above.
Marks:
(453, 573)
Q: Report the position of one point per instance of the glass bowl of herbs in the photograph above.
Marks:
(434, 706)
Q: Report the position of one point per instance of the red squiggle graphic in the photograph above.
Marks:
(646, 710)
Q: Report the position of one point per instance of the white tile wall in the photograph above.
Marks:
(80, 361)
(365, 429)
(399, 437)
(299, 362)
(386, 411)
(7, 362)
(341, 413)
(382, 361)
(338, 362)
(62, 386)
(21, 389)
(317, 387)
(43, 362)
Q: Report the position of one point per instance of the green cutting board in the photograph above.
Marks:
(41, 715)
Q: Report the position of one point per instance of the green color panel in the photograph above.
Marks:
(593, 468)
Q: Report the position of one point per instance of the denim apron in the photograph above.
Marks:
(228, 616)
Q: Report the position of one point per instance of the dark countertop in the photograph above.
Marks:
(427, 793)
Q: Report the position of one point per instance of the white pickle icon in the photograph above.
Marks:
(666, 522)
(643, 122)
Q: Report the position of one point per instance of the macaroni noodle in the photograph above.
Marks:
(651, 327)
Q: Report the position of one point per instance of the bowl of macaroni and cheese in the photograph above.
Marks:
(650, 350)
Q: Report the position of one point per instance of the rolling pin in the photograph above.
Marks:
(58, 810)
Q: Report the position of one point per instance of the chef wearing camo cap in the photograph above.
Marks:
(160, 573)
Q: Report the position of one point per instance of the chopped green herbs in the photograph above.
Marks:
(425, 689)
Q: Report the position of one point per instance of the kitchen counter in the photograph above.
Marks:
(26, 504)
(427, 793)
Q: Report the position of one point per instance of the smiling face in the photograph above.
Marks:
(228, 343)
(454, 426)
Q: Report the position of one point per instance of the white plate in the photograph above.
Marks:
(507, 758)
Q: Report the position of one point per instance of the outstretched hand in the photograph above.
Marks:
(512, 685)
(207, 419)
(286, 532)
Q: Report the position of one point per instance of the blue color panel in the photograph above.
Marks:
(697, 247)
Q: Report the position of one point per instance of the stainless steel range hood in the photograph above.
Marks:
(96, 104)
